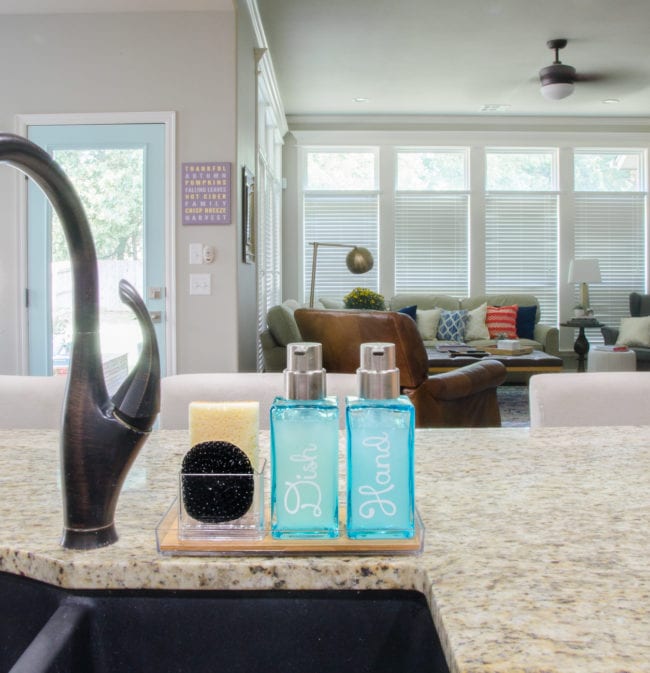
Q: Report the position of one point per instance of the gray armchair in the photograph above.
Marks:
(281, 329)
(639, 306)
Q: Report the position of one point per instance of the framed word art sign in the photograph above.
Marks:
(206, 192)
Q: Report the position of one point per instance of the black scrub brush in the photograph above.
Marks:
(225, 493)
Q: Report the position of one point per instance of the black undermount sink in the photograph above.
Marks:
(44, 629)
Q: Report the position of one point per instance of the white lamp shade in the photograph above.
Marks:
(584, 271)
(557, 90)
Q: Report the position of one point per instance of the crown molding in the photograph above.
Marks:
(265, 65)
(447, 123)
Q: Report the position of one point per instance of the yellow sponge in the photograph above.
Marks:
(234, 422)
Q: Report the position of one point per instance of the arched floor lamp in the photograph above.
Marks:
(358, 260)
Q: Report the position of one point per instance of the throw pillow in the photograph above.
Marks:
(427, 322)
(501, 321)
(409, 310)
(452, 325)
(634, 332)
(476, 327)
(526, 322)
(331, 303)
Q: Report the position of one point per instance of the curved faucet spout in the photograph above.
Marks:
(100, 437)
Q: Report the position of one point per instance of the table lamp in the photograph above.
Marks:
(584, 271)
(358, 260)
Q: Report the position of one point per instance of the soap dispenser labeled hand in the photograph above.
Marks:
(380, 450)
(304, 450)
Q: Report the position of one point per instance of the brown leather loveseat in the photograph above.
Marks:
(464, 397)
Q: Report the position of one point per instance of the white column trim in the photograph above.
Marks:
(265, 65)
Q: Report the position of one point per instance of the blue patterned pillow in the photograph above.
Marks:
(452, 325)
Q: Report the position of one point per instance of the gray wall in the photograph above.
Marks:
(184, 62)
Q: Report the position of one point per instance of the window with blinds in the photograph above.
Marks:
(605, 217)
(431, 222)
(340, 205)
(610, 215)
(521, 225)
(268, 232)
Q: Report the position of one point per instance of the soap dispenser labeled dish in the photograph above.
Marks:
(304, 450)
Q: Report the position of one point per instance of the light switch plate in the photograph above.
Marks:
(200, 283)
(196, 253)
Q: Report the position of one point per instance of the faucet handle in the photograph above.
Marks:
(137, 401)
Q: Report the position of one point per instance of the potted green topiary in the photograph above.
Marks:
(363, 298)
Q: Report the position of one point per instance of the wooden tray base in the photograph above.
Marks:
(169, 542)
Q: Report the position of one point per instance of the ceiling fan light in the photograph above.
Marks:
(557, 90)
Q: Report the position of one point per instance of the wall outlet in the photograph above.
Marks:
(209, 254)
(200, 283)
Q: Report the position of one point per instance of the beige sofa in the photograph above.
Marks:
(282, 329)
(546, 337)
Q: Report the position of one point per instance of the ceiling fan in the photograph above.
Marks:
(557, 79)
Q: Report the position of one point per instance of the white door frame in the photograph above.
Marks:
(169, 121)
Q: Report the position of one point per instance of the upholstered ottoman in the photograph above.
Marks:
(601, 360)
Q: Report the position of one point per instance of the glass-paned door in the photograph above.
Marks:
(118, 172)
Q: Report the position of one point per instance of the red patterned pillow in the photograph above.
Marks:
(501, 321)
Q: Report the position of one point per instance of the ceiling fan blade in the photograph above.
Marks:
(593, 77)
(623, 81)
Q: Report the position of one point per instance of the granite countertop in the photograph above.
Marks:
(535, 559)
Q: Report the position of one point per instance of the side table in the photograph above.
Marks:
(581, 345)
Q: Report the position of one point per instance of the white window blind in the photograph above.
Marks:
(521, 247)
(339, 217)
(431, 242)
(268, 210)
(270, 234)
(610, 227)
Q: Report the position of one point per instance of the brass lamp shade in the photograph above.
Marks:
(359, 260)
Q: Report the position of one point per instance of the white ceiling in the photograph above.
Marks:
(451, 57)
(93, 6)
(434, 57)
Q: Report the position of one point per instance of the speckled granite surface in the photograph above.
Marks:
(536, 558)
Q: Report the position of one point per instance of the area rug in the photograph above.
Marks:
(513, 403)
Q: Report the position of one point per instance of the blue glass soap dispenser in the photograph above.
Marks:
(304, 450)
(380, 450)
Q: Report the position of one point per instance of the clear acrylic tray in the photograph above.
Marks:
(238, 513)
(193, 523)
